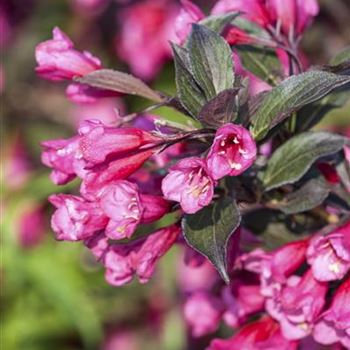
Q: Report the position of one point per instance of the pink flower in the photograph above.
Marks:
(200, 277)
(84, 94)
(99, 141)
(294, 15)
(242, 298)
(75, 219)
(334, 324)
(16, 164)
(122, 261)
(58, 60)
(89, 7)
(236, 36)
(31, 226)
(253, 10)
(298, 305)
(189, 183)
(146, 28)
(264, 334)
(108, 111)
(202, 312)
(155, 207)
(120, 201)
(64, 157)
(329, 256)
(118, 169)
(232, 152)
(189, 13)
(275, 267)
(121, 340)
(127, 208)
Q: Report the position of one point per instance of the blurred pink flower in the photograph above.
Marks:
(329, 256)
(254, 10)
(298, 305)
(16, 164)
(31, 226)
(334, 324)
(264, 334)
(146, 28)
(189, 13)
(232, 152)
(121, 340)
(83, 94)
(107, 110)
(242, 298)
(58, 60)
(195, 277)
(89, 7)
(202, 312)
(189, 183)
(292, 15)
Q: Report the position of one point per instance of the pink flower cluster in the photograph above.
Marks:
(288, 18)
(191, 182)
(289, 285)
(284, 21)
(113, 203)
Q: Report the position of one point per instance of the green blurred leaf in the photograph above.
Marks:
(209, 230)
(313, 113)
(251, 28)
(292, 94)
(262, 62)
(211, 61)
(341, 57)
(217, 23)
(294, 158)
(309, 196)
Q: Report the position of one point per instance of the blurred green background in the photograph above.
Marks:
(53, 294)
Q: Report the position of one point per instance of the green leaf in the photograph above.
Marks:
(341, 57)
(251, 28)
(294, 158)
(113, 80)
(292, 94)
(211, 61)
(262, 62)
(309, 196)
(209, 230)
(220, 110)
(313, 113)
(190, 94)
(217, 23)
